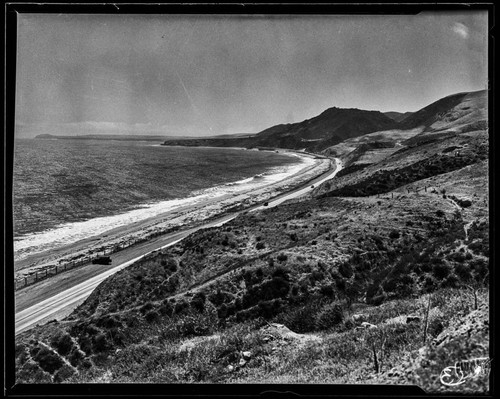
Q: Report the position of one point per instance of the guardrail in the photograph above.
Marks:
(54, 269)
(51, 270)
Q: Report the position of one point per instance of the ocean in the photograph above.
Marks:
(66, 190)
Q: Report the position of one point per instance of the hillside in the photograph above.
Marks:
(455, 113)
(458, 113)
(315, 134)
(397, 116)
(380, 277)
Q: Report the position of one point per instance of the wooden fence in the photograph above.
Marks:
(52, 270)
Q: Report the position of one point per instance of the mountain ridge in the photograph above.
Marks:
(335, 125)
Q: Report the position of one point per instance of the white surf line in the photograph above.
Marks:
(42, 310)
(28, 317)
(302, 191)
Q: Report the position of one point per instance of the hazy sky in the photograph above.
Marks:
(201, 75)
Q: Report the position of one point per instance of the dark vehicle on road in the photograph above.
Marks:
(102, 260)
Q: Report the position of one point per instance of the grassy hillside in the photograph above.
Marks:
(406, 165)
(400, 241)
(448, 110)
(308, 268)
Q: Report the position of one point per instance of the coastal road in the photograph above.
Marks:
(63, 303)
(302, 191)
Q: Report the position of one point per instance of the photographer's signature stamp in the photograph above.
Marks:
(465, 370)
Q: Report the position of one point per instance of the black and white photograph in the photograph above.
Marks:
(231, 196)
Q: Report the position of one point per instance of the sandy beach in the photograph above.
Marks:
(195, 212)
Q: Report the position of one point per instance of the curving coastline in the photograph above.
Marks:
(192, 211)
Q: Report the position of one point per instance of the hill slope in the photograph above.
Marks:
(459, 112)
(456, 113)
(279, 295)
(315, 134)
(398, 116)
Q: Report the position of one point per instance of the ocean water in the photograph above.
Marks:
(66, 190)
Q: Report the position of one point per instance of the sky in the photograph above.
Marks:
(199, 75)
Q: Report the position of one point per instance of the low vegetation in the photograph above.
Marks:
(368, 282)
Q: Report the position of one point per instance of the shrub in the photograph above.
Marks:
(146, 307)
(465, 203)
(281, 272)
(345, 269)
(282, 257)
(451, 281)
(401, 286)
(440, 213)
(274, 288)
(260, 245)
(441, 270)
(172, 283)
(169, 264)
(166, 309)
(378, 299)
(109, 322)
(198, 302)
(330, 316)
(389, 285)
(463, 272)
(63, 343)
(457, 256)
(181, 307)
(194, 324)
(217, 298)
(76, 357)
(429, 284)
(48, 360)
(435, 327)
(100, 343)
(63, 373)
(85, 345)
(480, 269)
(268, 309)
(326, 290)
(222, 311)
(394, 234)
(301, 319)
(340, 283)
(317, 275)
(480, 247)
(152, 316)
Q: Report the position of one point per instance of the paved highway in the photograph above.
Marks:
(62, 304)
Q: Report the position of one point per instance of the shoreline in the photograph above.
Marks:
(183, 216)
